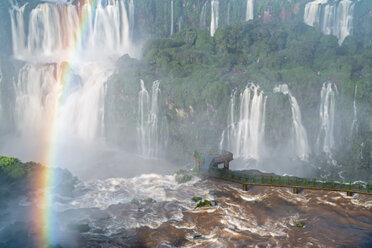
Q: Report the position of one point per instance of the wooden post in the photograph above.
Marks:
(296, 190)
(245, 187)
(348, 193)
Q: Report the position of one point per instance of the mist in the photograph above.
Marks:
(120, 93)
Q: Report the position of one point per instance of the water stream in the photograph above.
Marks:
(249, 12)
(300, 141)
(214, 16)
(244, 134)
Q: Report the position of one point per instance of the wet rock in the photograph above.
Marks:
(81, 228)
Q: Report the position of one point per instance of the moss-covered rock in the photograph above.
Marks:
(17, 178)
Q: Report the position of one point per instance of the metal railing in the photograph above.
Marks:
(290, 182)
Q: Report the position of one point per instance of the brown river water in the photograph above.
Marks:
(114, 213)
(259, 217)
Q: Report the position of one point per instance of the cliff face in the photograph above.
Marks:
(160, 19)
(155, 18)
(199, 73)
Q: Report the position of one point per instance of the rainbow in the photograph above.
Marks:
(43, 225)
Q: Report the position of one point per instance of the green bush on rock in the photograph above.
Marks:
(204, 203)
(16, 178)
(299, 224)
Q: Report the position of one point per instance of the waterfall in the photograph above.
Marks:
(228, 13)
(332, 18)
(143, 110)
(38, 89)
(172, 28)
(152, 128)
(61, 86)
(244, 135)
(354, 124)
(249, 12)
(17, 27)
(203, 16)
(131, 18)
(300, 141)
(214, 16)
(179, 22)
(312, 12)
(53, 30)
(344, 20)
(325, 141)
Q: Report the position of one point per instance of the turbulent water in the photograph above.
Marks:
(249, 12)
(152, 127)
(214, 16)
(261, 216)
(300, 144)
(244, 134)
(331, 17)
(326, 140)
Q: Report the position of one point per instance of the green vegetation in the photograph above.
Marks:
(135, 201)
(198, 73)
(204, 203)
(149, 200)
(196, 199)
(16, 178)
(180, 171)
(299, 224)
(183, 179)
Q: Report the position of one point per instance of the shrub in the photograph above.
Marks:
(183, 179)
(203, 204)
(299, 224)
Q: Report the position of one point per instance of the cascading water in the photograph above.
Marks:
(179, 23)
(54, 45)
(244, 136)
(312, 12)
(131, 18)
(152, 128)
(326, 141)
(249, 12)
(203, 16)
(228, 13)
(335, 18)
(53, 30)
(214, 16)
(354, 124)
(38, 89)
(172, 22)
(300, 141)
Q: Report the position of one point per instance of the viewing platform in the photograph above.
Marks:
(207, 164)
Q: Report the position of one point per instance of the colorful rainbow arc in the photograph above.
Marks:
(44, 226)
